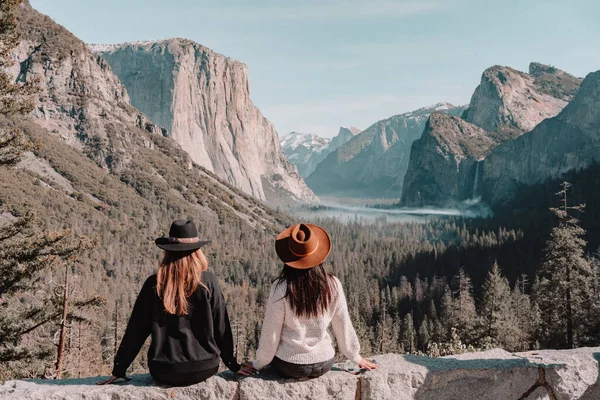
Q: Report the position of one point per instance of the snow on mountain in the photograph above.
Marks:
(306, 150)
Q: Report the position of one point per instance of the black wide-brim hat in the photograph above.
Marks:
(183, 236)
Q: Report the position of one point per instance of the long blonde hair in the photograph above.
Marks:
(178, 277)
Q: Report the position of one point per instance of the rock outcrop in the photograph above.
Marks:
(445, 161)
(203, 100)
(506, 104)
(569, 141)
(489, 375)
(511, 102)
(306, 151)
(374, 162)
(344, 135)
(553, 81)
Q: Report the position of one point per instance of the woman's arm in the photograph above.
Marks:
(271, 328)
(138, 329)
(222, 327)
(342, 327)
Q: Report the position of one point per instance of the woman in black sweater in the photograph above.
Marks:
(184, 311)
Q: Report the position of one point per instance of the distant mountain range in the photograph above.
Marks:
(518, 129)
(373, 163)
(306, 150)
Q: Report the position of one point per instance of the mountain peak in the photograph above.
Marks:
(536, 69)
(553, 81)
(350, 129)
(112, 47)
(512, 102)
(293, 140)
(584, 109)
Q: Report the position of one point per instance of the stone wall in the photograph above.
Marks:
(494, 374)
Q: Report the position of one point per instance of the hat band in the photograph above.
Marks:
(183, 240)
(305, 254)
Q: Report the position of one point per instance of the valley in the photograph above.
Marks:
(445, 220)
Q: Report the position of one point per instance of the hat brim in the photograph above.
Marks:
(165, 244)
(306, 262)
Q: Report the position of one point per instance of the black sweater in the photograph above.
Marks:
(180, 344)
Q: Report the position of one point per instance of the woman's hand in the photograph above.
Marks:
(112, 379)
(247, 369)
(366, 364)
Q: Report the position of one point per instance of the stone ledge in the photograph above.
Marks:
(490, 375)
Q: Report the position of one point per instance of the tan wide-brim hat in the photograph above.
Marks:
(303, 246)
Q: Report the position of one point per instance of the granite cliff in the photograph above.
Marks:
(511, 102)
(306, 151)
(569, 141)
(83, 108)
(506, 104)
(84, 113)
(203, 99)
(489, 375)
(374, 162)
(444, 162)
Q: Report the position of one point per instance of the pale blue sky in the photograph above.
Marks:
(318, 64)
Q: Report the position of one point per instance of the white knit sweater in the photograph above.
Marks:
(305, 340)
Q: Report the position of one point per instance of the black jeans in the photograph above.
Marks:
(184, 379)
(290, 370)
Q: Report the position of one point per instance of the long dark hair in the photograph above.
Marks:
(309, 291)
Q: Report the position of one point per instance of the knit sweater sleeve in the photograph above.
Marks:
(271, 328)
(138, 330)
(343, 330)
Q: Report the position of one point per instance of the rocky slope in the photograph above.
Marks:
(306, 151)
(203, 99)
(506, 104)
(374, 162)
(102, 169)
(571, 140)
(489, 375)
(82, 103)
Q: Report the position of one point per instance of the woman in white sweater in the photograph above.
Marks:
(304, 301)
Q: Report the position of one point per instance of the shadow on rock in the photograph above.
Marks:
(593, 392)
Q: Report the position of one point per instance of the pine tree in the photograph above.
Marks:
(458, 307)
(24, 254)
(424, 335)
(408, 336)
(563, 285)
(68, 305)
(524, 314)
(497, 323)
(387, 332)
